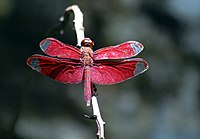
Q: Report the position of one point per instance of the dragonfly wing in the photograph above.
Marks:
(61, 70)
(124, 50)
(106, 72)
(55, 48)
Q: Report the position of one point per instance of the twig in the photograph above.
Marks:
(78, 25)
(99, 120)
(78, 22)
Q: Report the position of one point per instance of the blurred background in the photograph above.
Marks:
(162, 103)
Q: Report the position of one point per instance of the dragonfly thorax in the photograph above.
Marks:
(87, 56)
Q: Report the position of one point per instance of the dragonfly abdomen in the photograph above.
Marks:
(87, 85)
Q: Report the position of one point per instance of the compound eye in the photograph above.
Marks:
(87, 42)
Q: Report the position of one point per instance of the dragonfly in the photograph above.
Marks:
(106, 66)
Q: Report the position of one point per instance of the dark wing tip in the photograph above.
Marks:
(44, 44)
(141, 67)
(33, 62)
(137, 47)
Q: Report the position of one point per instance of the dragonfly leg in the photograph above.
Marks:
(93, 89)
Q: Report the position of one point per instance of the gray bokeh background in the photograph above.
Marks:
(162, 103)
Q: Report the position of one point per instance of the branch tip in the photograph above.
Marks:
(93, 117)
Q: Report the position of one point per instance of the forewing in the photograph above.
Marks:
(124, 50)
(108, 72)
(61, 70)
(55, 48)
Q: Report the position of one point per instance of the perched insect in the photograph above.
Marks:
(68, 64)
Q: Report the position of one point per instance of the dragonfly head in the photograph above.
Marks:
(87, 42)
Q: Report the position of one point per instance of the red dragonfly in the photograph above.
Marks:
(106, 66)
